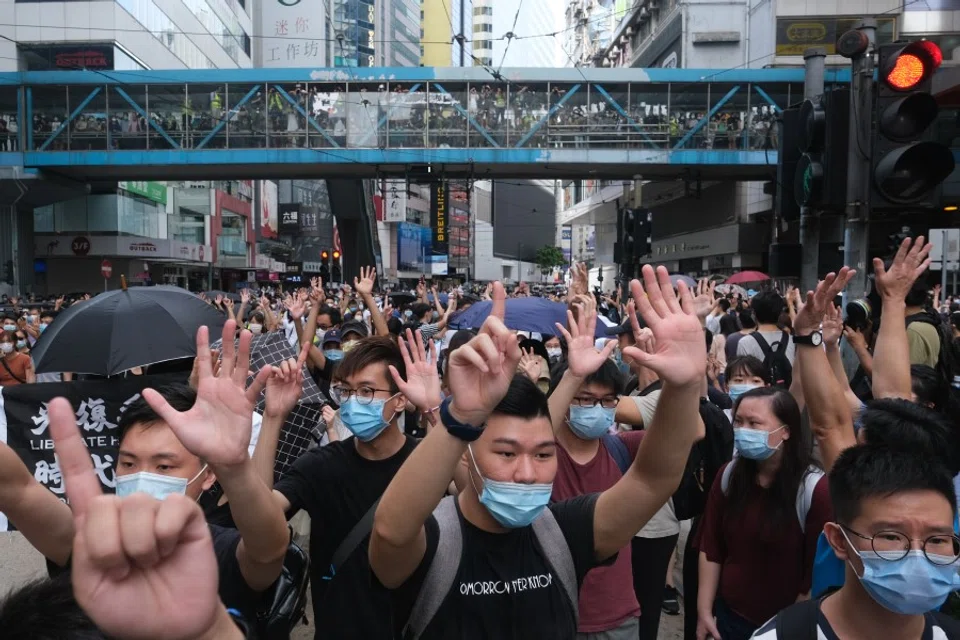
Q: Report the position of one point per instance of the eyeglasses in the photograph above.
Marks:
(942, 549)
(609, 402)
(365, 395)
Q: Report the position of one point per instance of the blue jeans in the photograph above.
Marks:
(730, 624)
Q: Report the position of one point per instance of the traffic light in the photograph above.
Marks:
(908, 163)
(8, 271)
(337, 267)
(626, 242)
(788, 155)
(325, 265)
(643, 233)
(820, 175)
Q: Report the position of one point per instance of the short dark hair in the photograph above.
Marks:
(369, 351)
(747, 321)
(767, 306)
(523, 400)
(335, 317)
(420, 309)
(608, 375)
(46, 609)
(869, 470)
(180, 396)
(749, 365)
(724, 304)
(728, 324)
(906, 426)
(919, 294)
(929, 386)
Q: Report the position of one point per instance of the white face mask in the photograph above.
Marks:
(554, 352)
(154, 484)
(6, 347)
(256, 329)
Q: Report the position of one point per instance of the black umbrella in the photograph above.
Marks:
(401, 298)
(119, 330)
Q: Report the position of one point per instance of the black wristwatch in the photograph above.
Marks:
(465, 432)
(815, 339)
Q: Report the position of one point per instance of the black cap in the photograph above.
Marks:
(354, 326)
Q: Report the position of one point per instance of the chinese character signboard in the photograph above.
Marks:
(795, 35)
(156, 191)
(395, 201)
(98, 406)
(290, 219)
(293, 33)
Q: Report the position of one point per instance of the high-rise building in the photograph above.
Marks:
(588, 31)
(483, 31)
(521, 33)
(445, 31)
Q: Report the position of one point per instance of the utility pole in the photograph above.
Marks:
(856, 240)
(813, 60)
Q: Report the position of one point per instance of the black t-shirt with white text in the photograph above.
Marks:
(505, 587)
(337, 486)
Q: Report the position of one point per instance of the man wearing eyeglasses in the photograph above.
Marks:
(894, 531)
(591, 458)
(340, 483)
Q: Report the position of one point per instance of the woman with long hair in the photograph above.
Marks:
(765, 511)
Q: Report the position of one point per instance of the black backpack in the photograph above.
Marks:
(703, 464)
(776, 362)
(799, 622)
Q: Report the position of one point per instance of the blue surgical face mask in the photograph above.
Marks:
(737, 390)
(333, 354)
(512, 504)
(910, 586)
(153, 484)
(408, 313)
(753, 443)
(9, 327)
(21, 344)
(590, 423)
(43, 327)
(365, 421)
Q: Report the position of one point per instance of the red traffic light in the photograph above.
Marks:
(324, 255)
(912, 65)
(336, 254)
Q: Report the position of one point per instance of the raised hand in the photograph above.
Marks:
(245, 296)
(285, 385)
(680, 352)
(856, 339)
(141, 568)
(218, 300)
(422, 386)
(811, 314)
(705, 301)
(530, 365)
(480, 372)
(228, 303)
(582, 355)
(296, 306)
(218, 427)
(911, 261)
(364, 285)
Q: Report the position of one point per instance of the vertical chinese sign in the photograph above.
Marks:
(293, 34)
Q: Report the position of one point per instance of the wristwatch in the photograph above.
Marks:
(815, 339)
(465, 432)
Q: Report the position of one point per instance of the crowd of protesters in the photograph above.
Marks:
(499, 482)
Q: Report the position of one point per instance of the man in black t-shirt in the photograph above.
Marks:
(510, 582)
(178, 442)
(339, 483)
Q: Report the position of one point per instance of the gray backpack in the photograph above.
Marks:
(804, 494)
(446, 562)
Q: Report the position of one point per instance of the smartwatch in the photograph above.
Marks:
(460, 430)
(815, 339)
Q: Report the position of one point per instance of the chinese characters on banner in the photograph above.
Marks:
(395, 201)
(293, 33)
(98, 406)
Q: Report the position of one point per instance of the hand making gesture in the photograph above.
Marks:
(582, 355)
(422, 386)
(679, 355)
(480, 372)
(911, 261)
(705, 302)
(217, 429)
(364, 285)
(285, 385)
(811, 314)
(141, 568)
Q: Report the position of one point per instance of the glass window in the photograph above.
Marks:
(167, 32)
(187, 227)
(139, 217)
(233, 232)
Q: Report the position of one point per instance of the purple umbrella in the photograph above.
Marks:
(522, 314)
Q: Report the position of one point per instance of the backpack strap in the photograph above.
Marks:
(799, 622)
(557, 550)
(347, 546)
(618, 450)
(764, 345)
(725, 476)
(442, 572)
(805, 494)
(783, 343)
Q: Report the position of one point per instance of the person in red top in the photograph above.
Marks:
(582, 408)
(15, 367)
(756, 557)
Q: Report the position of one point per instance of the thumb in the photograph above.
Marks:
(608, 349)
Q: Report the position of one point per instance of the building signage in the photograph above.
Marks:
(438, 217)
(796, 35)
(88, 56)
(311, 267)
(290, 219)
(366, 34)
(156, 191)
(82, 246)
(268, 209)
(292, 33)
(395, 201)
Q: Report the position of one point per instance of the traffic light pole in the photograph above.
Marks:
(813, 80)
(856, 240)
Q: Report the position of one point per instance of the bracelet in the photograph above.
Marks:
(431, 415)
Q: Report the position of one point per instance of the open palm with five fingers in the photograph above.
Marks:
(218, 426)
(679, 354)
(364, 285)
(422, 386)
(818, 302)
(285, 385)
(911, 261)
(582, 355)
